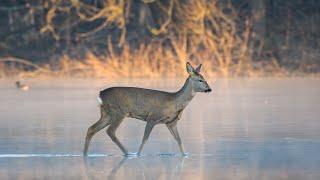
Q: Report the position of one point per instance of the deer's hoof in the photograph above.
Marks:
(185, 154)
(131, 154)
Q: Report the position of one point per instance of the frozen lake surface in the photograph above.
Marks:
(245, 129)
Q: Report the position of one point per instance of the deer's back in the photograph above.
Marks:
(136, 102)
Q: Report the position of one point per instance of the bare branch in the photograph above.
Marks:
(22, 61)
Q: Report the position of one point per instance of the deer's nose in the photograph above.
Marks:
(208, 90)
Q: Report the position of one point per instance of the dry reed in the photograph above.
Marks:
(199, 31)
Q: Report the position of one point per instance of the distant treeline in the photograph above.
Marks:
(232, 36)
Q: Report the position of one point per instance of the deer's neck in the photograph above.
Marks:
(184, 95)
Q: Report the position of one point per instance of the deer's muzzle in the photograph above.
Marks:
(208, 90)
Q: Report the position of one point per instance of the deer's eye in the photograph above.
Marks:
(200, 80)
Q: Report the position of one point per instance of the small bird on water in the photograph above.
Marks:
(22, 87)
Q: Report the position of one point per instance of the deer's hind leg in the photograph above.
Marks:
(92, 130)
(116, 120)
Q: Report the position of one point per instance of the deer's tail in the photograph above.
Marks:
(99, 100)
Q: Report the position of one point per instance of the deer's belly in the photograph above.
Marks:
(169, 118)
(166, 120)
(162, 117)
(140, 117)
(157, 120)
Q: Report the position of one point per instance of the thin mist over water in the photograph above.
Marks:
(245, 129)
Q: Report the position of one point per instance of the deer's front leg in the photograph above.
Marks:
(174, 131)
(147, 132)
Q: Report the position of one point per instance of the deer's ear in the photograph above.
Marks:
(190, 69)
(198, 69)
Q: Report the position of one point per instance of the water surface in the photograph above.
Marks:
(245, 129)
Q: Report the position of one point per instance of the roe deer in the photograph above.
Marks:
(152, 106)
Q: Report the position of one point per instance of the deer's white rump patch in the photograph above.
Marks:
(99, 100)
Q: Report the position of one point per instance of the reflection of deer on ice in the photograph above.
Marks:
(152, 106)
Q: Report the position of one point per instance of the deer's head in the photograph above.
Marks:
(198, 83)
